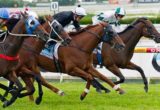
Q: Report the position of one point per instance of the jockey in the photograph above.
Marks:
(4, 16)
(64, 18)
(15, 15)
(112, 18)
(31, 13)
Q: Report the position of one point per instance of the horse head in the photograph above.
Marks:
(116, 42)
(149, 29)
(29, 25)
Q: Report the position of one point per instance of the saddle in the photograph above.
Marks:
(49, 51)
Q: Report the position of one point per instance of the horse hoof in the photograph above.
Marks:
(5, 104)
(81, 98)
(107, 91)
(121, 92)
(146, 89)
(3, 99)
(13, 92)
(38, 101)
(62, 94)
(99, 91)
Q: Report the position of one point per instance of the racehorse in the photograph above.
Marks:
(130, 36)
(28, 68)
(9, 58)
(76, 58)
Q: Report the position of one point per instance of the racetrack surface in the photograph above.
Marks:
(134, 99)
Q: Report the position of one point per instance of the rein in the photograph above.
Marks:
(88, 31)
(9, 58)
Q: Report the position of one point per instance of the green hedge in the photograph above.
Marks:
(127, 20)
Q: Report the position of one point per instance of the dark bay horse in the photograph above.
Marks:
(112, 60)
(28, 68)
(9, 58)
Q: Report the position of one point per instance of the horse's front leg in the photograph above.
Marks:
(79, 72)
(14, 92)
(95, 73)
(116, 71)
(133, 66)
(9, 88)
(29, 73)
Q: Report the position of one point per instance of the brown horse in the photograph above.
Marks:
(130, 36)
(77, 57)
(28, 68)
(9, 58)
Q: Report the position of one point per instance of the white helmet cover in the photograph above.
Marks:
(80, 11)
(120, 11)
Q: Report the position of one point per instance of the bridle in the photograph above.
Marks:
(149, 29)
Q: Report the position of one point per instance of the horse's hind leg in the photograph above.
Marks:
(116, 71)
(29, 87)
(14, 92)
(95, 73)
(139, 69)
(52, 88)
(98, 86)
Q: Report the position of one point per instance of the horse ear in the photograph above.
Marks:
(48, 17)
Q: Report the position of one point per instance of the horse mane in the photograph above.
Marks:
(41, 20)
(82, 30)
(11, 23)
(130, 26)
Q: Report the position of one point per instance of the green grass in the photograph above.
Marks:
(134, 99)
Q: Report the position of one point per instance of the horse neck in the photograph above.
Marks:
(87, 41)
(132, 37)
(12, 43)
(34, 44)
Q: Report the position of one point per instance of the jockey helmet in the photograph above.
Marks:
(4, 13)
(80, 11)
(32, 13)
(120, 11)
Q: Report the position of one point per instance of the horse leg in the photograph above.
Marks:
(116, 71)
(9, 88)
(79, 72)
(38, 80)
(98, 86)
(29, 87)
(2, 98)
(95, 73)
(14, 92)
(133, 66)
(52, 88)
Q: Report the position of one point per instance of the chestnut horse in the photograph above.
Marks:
(9, 58)
(130, 36)
(76, 58)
